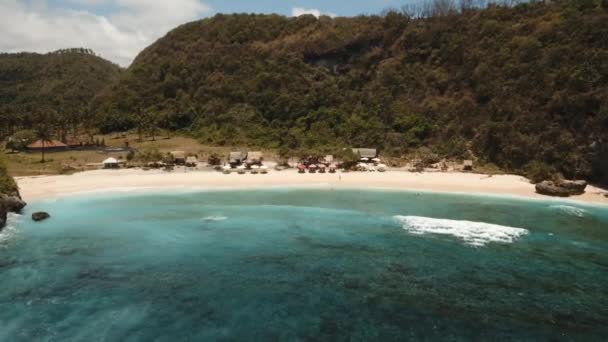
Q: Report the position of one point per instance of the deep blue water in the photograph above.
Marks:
(304, 265)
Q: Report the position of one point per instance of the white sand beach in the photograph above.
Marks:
(42, 187)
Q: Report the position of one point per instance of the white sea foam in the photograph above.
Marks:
(9, 230)
(570, 210)
(214, 218)
(472, 233)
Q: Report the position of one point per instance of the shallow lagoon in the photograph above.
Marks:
(304, 264)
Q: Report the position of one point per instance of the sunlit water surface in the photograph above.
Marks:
(304, 265)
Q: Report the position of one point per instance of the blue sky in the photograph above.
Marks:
(341, 8)
(119, 29)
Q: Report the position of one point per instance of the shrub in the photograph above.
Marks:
(538, 171)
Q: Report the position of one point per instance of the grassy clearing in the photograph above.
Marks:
(65, 162)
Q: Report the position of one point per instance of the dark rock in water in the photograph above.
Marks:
(551, 189)
(574, 187)
(13, 203)
(39, 216)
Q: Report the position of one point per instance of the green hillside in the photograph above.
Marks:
(524, 87)
(55, 87)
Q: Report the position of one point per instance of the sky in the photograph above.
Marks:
(119, 29)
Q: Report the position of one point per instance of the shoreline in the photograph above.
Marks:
(137, 180)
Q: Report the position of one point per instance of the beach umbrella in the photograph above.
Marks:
(365, 159)
(301, 166)
(376, 159)
(255, 167)
(241, 167)
(264, 167)
(312, 166)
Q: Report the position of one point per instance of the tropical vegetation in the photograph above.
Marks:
(523, 87)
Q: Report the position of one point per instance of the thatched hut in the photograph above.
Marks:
(254, 158)
(47, 145)
(191, 161)
(236, 158)
(467, 165)
(367, 154)
(179, 157)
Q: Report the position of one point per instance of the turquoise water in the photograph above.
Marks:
(304, 265)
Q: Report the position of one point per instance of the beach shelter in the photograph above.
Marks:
(254, 158)
(236, 158)
(301, 168)
(369, 153)
(468, 165)
(110, 163)
(49, 145)
(191, 161)
(179, 157)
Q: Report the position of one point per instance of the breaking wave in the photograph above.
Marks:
(570, 210)
(214, 218)
(9, 230)
(472, 233)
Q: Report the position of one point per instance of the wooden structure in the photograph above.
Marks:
(369, 153)
(467, 165)
(236, 158)
(254, 158)
(191, 161)
(179, 157)
(47, 145)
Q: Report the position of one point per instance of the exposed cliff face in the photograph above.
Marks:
(3, 214)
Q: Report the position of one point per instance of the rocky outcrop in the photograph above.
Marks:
(10, 203)
(40, 216)
(564, 188)
(13, 203)
(575, 187)
(3, 215)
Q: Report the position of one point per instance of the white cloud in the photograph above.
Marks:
(119, 36)
(298, 11)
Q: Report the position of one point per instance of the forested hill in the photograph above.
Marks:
(58, 85)
(521, 87)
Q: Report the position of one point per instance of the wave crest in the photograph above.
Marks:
(472, 233)
(570, 210)
(214, 218)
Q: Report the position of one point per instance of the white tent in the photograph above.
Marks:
(110, 163)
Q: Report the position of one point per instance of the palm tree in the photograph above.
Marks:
(44, 134)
